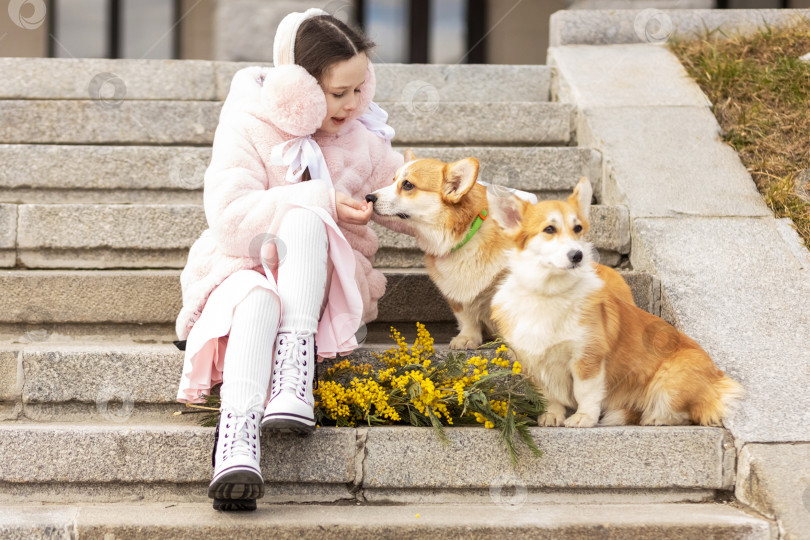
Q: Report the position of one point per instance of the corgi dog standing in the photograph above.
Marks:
(585, 347)
(447, 210)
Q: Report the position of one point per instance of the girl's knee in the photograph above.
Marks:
(261, 297)
(298, 222)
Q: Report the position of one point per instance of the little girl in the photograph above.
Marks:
(284, 271)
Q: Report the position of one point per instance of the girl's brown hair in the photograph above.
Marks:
(325, 40)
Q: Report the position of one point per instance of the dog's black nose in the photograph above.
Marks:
(575, 256)
(371, 198)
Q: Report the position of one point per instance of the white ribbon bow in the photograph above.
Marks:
(375, 120)
(303, 153)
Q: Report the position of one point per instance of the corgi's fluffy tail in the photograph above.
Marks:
(731, 393)
(727, 396)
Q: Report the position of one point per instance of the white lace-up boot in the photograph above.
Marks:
(291, 405)
(237, 481)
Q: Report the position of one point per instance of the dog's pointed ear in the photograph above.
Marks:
(507, 210)
(459, 178)
(409, 155)
(581, 197)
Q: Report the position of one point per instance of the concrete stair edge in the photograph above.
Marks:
(543, 522)
(156, 174)
(194, 122)
(144, 236)
(204, 80)
(380, 457)
(37, 297)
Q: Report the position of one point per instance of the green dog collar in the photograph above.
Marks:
(476, 224)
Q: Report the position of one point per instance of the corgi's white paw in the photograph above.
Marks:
(550, 419)
(465, 342)
(580, 420)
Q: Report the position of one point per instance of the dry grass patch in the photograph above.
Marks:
(761, 95)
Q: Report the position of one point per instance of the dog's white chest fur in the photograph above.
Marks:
(462, 277)
(547, 333)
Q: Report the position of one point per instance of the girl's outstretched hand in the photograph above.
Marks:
(352, 211)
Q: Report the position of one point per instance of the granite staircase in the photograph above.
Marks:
(100, 199)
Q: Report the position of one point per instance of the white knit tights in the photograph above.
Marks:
(301, 285)
(302, 272)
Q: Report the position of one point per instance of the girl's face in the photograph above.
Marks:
(341, 84)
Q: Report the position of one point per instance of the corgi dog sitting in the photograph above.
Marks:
(447, 211)
(585, 347)
(446, 207)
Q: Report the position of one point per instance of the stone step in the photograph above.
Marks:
(159, 236)
(123, 382)
(420, 86)
(163, 122)
(46, 305)
(200, 80)
(38, 382)
(42, 173)
(191, 521)
(110, 463)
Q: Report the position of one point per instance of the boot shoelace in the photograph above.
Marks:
(293, 362)
(240, 435)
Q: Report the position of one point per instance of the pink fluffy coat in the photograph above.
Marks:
(243, 190)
